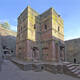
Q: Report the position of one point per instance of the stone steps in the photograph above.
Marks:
(73, 68)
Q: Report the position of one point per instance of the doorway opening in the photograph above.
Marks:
(74, 60)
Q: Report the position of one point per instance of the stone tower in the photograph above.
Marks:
(40, 35)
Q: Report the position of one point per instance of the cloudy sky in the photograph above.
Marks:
(68, 9)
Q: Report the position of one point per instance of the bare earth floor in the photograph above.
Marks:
(11, 72)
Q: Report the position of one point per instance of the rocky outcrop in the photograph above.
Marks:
(7, 39)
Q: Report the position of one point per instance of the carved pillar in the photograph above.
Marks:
(53, 51)
(29, 50)
(59, 52)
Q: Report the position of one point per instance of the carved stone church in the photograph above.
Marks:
(40, 36)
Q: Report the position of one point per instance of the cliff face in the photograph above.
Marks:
(7, 39)
(72, 48)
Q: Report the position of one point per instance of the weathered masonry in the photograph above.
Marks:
(40, 36)
(72, 50)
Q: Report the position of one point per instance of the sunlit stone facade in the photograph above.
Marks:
(40, 36)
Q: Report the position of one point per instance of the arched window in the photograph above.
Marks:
(74, 60)
(58, 28)
(34, 26)
(45, 27)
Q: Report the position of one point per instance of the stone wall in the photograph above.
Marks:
(72, 50)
